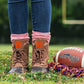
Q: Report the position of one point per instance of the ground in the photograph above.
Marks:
(51, 77)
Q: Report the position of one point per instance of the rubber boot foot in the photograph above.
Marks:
(39, 69)
(18, 70)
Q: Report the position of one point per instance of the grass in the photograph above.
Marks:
(7, 47)
(51, 77)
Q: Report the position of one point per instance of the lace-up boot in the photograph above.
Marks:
(19, 56)
(40, 55)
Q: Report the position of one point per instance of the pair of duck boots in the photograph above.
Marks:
(20, 56)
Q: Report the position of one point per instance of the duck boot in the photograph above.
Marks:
(19, 56)
(40, 55)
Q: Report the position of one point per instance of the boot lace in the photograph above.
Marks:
(18, 57)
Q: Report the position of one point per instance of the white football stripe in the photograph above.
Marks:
(57, 56)
(82, 64)
(74, 48)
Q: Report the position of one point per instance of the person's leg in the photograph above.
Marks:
(41, 18)
(18, 20)
(41, 15)
(18, 16)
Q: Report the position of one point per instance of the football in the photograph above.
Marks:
(70, 56)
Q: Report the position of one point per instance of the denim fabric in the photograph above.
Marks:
(15, 1)
(18, 15)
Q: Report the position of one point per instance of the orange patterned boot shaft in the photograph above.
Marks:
(20, 55)
(40, 55)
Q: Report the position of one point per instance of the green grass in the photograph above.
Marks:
(33, 78)
(8, 47)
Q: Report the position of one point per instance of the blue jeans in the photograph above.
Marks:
(18, 15)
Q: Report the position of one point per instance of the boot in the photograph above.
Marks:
(40, 56)
(20, 56)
